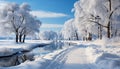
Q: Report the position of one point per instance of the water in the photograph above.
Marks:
(55, 45)
(41, 51)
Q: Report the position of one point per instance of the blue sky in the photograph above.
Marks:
(50, 12)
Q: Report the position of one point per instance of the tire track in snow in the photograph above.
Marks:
(59, 60)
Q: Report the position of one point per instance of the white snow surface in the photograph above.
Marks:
(99, 54)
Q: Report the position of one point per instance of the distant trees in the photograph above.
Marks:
(96, 19)
(48, 35)
(18, 20)
(69, 32)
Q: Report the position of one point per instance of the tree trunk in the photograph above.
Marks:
(69, 38)
(83, 38)
(115, 32)
(100, 32)
(86, 35)
(111, 30)
(20, 38)
(90, 37)
(108, 27)
(16, 38)
(108, 30)
(24, 36)
(77, 35)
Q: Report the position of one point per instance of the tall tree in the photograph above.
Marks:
(19, 20)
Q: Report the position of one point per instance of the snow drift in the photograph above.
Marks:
(108, 61)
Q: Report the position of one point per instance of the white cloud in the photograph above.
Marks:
(47, 14)
(3, 4)
(3, 1)
(51, 26)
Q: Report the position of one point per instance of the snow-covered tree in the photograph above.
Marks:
(48, 35)
(93, 18)
(97, 17)
(111, 12)
(69, 31)
(82, 14)
(18, 20)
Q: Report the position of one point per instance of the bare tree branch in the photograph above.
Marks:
(113, 11)
(98, 23)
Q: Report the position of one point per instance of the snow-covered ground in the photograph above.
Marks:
(99, 54)
(9, 47)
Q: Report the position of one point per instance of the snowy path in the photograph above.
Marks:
(58, 61)
(73, 58)
(77, 59)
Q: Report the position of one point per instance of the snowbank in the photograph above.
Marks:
(104, 54)
(8, 48)
(12, 54)
(91, 53)
(38, 63)
(108, 61)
